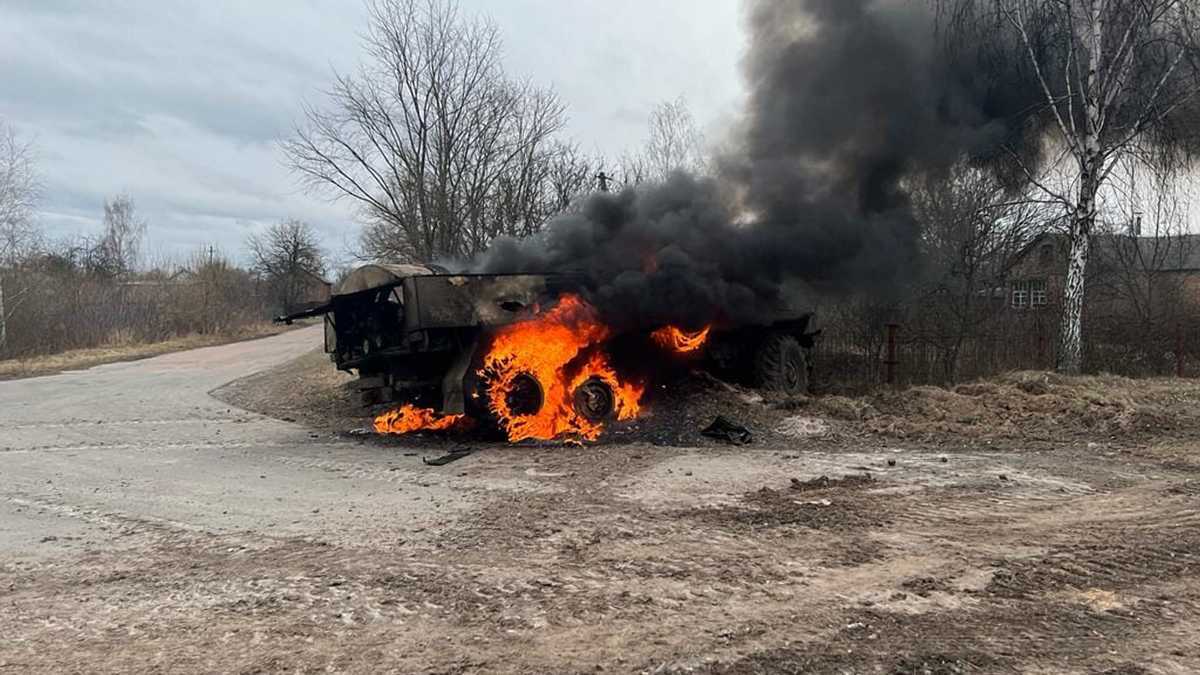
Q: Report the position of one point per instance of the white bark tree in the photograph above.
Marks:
(19, 190)
(675, 142)
(1117, 78)
(118, 250)
(19, 234)
(424, 135)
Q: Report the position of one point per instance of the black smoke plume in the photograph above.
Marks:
(846, 99)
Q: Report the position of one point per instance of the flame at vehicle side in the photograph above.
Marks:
(554, 354)
(626, 395)
(681, 341)
(409, 418)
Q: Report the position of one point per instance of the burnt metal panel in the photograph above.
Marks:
(330, 335)
(454, 301)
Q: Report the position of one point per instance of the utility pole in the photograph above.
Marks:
(3, 319)
(206, 279)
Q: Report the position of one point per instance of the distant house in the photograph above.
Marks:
(1120, 266)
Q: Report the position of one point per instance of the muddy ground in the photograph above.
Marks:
(842, 543)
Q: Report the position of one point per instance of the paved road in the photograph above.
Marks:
(84, 454)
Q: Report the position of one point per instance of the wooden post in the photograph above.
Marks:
(3, 319)
(1041, 347)
(1179, 349)
(890, 364)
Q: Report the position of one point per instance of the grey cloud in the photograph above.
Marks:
(179, 103)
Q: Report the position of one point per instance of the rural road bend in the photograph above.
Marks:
(88, 457)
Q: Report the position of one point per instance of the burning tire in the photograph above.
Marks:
(594, 400)
(525, 397)
(780, 365)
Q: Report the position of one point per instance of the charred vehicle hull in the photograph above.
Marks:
(416, 335)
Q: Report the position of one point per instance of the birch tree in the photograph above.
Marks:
(1117, 78)
(118, 250)
(19, 234)
(675, 142)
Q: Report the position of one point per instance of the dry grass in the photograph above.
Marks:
(1037, 406)
(123, 350)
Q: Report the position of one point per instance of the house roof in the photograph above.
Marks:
(1176, 253)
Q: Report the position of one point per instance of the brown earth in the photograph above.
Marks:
(846, 548)
(1030, 407)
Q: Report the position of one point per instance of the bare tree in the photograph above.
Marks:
(1116, 78)
(675, 142)
(118, 250)
(571, 176)
(972, 229)
(1136, 279)
(422, 137)
(19, 190)
(633, 169)
(287, 255)
(19, 235)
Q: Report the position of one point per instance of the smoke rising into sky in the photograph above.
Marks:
(845, 99)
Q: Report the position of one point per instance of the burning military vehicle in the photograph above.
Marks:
(527, 353)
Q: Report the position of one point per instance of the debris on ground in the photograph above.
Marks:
(826, 483)
(723, 429)
(452, 456)
(800, 426)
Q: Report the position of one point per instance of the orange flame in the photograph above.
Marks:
(626, 395)
(557, 349)
(408, 419)
(681, 341)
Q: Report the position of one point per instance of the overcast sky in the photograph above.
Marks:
(180, 103)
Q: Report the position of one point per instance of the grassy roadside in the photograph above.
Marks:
(79, 359)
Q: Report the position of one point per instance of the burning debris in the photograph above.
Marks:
(410, 418)
(681, 341)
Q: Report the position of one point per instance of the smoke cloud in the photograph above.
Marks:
(847, 98)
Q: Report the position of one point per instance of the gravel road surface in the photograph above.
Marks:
(147, 527)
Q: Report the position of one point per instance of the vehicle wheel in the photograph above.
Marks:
(780, 365)
(525, 397)
(594, 400)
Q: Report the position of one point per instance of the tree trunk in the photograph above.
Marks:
(1070, 352)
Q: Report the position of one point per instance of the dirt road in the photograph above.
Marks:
(145, 526)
